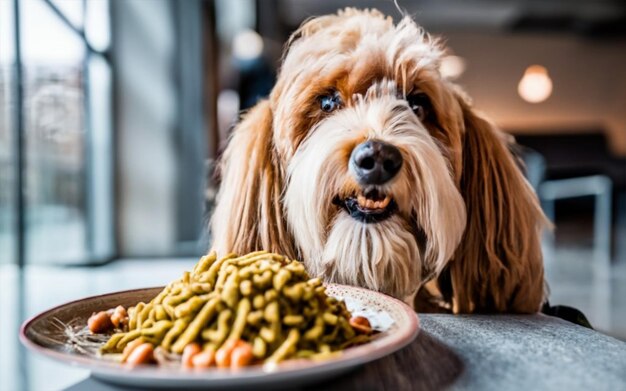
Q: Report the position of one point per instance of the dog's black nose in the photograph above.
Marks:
(375, 162)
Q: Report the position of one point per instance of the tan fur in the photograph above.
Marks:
(499, 265)
(249, 215)
(459, 185)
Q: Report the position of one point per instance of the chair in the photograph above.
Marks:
(549, 191)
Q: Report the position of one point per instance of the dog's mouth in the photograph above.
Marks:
(370, 206)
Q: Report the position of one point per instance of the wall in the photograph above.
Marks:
(589, 79)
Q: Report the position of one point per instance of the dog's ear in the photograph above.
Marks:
(249, 214)
(498, 266)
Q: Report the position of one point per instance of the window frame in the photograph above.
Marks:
(100, 245)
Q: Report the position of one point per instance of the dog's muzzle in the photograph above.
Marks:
(373, 163)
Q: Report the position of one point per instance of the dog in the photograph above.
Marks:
(375, 171)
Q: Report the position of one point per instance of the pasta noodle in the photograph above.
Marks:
(261, 301)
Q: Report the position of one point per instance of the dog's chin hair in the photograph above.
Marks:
(383, 256)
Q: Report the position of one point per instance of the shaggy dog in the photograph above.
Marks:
(370, 167)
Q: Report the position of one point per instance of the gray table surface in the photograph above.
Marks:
(482, 352)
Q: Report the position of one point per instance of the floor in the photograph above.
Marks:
(574, 282)
(570, 270)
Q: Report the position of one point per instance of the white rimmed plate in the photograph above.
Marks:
(45, 334)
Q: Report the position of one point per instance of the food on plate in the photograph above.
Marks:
(260, 308)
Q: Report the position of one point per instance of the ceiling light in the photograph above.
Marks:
(536, 85)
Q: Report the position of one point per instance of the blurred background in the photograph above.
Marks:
(112, 114)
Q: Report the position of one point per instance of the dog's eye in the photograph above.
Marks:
(420, 104)
(330, 102)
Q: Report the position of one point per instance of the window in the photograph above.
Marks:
(63, 114)
(7, 120)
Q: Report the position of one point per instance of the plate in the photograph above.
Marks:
(50, 334)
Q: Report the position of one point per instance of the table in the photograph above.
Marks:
(485, 352)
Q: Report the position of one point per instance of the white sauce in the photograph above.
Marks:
(379, 320)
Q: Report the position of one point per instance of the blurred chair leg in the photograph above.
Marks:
(601, 294)
(602, 227)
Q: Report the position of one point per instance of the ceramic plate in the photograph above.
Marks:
(51, 332)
